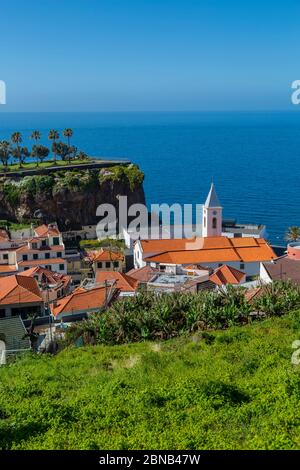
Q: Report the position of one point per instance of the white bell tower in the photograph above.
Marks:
(212, 215)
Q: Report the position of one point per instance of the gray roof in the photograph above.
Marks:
(12, 332)
(284, 268)
(212, 198)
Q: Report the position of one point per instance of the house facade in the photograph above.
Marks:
(20, 296)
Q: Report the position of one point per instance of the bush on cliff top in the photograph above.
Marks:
(127, 174)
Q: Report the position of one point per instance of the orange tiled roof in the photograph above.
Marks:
(6, 268)
(196, 267)
(124, 282)
(38, 262)
(80, 300)
(227, 275)
(218, 249)
(142, 274)
(51, 277)
(251, 294)
(25, 249)
(157, 246)
(19, 289)
(45, 230)
(108, 255)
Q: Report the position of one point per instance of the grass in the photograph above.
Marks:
(105, 243)
(233, 389)
(45, 164)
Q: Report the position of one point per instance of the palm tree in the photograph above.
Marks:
(54, 136)
(36, 135)
(68, 133)
(5, 152)
(16, 139)
(293, 234)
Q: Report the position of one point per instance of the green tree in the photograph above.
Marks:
(16, 139)
(293, 234)
(82, 156)
(5, 152)
(40, 152)
(54, 136)
(36, 135)
(68, 133)
(63, 150)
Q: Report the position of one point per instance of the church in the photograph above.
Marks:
(241, 248)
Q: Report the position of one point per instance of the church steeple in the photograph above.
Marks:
(212, 199)
(212, 215)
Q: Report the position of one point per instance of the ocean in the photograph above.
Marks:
(253, 158)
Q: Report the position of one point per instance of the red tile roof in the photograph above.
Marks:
(17, 289)
(46, 229)
(217, 249)
(123, 282)
(142, 274)
(42, 262)
(80, 300)
(25, 249)
(251, 294)
(6, 268)
(107, 255)
(50, 277)
(227, 275)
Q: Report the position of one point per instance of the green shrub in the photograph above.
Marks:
(129, 175)
(12, 193)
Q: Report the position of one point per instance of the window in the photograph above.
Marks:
(25, 257)
(44, 243)
(5, 256)
(99, 265)
(204, 222)
(2, 313)
(47, 255)
(59, 254)
(242, 266)
(55, 241)
(34, 246)
(116, 264)
(61, 267)
(35, 256)
(214, 222)
(107, 264)
(48, 267)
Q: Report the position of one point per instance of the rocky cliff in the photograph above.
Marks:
(70, 197)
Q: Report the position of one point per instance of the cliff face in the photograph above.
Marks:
(70, 198)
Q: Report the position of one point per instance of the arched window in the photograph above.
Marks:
(214, 222)
(204, 222)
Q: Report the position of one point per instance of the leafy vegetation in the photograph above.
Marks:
(233, 389)
(150, 317)
(107, 242)
(128, 174)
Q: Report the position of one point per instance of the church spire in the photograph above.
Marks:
(212, 199)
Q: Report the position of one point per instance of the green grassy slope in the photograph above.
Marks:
(234, 390)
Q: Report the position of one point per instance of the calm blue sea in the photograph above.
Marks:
(253, 158)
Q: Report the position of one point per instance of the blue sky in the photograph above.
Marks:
(138, 55)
